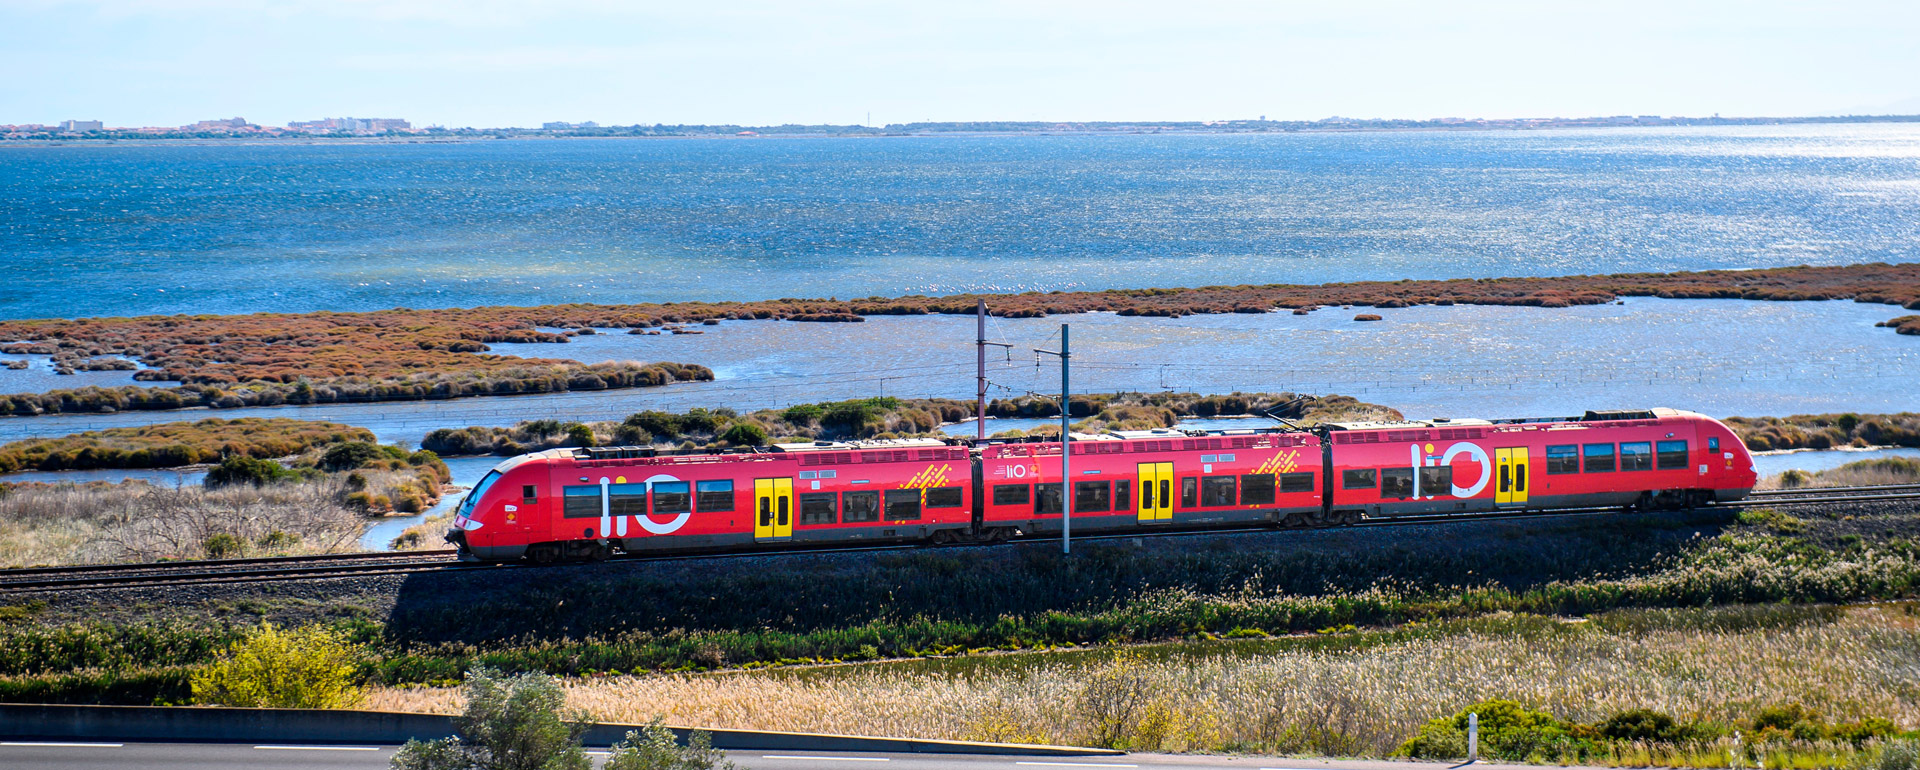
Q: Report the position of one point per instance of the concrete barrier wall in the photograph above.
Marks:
(323, 726)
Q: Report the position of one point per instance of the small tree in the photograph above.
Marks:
(311, 667)
(510, 723)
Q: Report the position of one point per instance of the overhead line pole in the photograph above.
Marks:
(1066, 445)
(980, 393)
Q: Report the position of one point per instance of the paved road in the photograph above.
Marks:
(28, 755)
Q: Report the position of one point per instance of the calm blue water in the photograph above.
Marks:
(1720, 357)
(161, 228)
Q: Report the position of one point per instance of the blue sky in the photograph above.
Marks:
(521, 62)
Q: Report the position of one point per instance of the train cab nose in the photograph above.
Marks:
(1728, 466)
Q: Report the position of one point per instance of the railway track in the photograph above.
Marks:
(148, 574)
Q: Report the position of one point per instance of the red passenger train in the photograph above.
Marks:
(572, 504)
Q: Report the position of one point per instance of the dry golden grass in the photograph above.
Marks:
(1363, 699)
(135, 521)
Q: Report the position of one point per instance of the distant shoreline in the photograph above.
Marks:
(926, 130)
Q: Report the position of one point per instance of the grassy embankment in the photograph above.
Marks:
(316, 503)
(706, 614)
(174, 444)
(416, 354)
(884, 418)
(1362, 693)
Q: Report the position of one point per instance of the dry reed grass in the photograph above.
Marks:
(135, 521)
(1361, 700)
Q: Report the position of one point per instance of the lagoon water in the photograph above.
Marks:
(1720, 357)
(100, 230)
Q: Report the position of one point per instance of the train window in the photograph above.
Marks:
(943, 497)
(1216, 491)
(1189, 492)
(1256, 489)
(714, 495)
(1597, 458)
(1396, 483)
(581, 502)
(1123, 495)
(1564, 458)
(1636, 455)
(859, 507)
(818, 508)
(1010, 494)
(903, 504)
(1046, 498)
(1360, 478)
(627, 499)
(1298, 482)
(1093, 496)
(672, 497)
(1713, 445)
(529, 495)
(1436, 480)
(1673, 454)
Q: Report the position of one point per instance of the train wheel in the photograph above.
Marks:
(542, 555)
(599, 552)
(942, 537)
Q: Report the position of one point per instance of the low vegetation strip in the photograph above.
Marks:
(173, 444)
(887, 417)
(1826, 431)
(1793, 678)
(706, 615)
(461, 378)
(440, 353)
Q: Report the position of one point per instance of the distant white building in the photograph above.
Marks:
(81, 126)
(227, 124)
(355, 125)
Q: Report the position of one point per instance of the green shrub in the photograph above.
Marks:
(744, 434)
(246, 470)
(1508, 731)
(802, 414)
(310, 667)
(654, 748)
(221, 545)
(660, 425)
(509, 722)
(349, 455)
(1640, 725)
(1898, 755)
(579, 434)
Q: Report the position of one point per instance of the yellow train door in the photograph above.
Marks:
(1512, 489)
(1156, 492)
(772, 509)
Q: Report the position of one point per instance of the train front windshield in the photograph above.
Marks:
(473, 498)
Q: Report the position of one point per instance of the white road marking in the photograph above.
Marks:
(318, 748)
(68, 745)
(830, 759)
(1072, 764)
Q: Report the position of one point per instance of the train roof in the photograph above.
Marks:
(845, 446)
(1612, 415)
